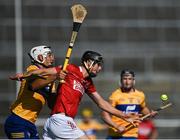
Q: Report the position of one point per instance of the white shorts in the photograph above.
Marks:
(59, 126)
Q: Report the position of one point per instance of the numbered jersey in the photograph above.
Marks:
(126, 102)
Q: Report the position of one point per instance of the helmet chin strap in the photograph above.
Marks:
(89, 67)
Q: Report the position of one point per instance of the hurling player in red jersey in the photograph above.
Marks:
(147, 130)
(60, 125)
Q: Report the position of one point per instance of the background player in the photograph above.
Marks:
(126, 99)
(26, 108)
(90, 125)
(147, 130)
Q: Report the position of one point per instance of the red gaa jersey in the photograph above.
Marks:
(146, 128)
(71, 92)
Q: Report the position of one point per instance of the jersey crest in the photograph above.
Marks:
(78, 86)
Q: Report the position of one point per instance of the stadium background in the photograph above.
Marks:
(143, 35)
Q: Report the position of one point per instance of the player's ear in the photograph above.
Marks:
(40, 57)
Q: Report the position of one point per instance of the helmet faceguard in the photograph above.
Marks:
(94, 58)
(39, 50)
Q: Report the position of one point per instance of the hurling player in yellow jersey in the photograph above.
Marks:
(127, 99)
(25, 110)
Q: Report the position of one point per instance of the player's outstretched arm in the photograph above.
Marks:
(146, 111)
(105, 106)
(40, 83)
(51, 74)
(39, 73)
(33, 73)
(45, 71)
(41, 77)
(107, 119)
(17, 76)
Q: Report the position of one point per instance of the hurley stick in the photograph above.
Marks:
(79, 13)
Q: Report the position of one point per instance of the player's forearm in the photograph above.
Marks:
(110, 109)
(39, 83)
(145, 111)
(107, 119)
(104, 105)
(47, 71)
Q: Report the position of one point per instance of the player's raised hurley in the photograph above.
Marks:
(79, 13)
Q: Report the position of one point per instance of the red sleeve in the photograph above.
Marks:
(91, 88)
(58, 69)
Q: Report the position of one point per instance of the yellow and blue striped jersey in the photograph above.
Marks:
(126, 102)
(29, 103)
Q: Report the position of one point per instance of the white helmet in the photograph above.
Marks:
(39, 50)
